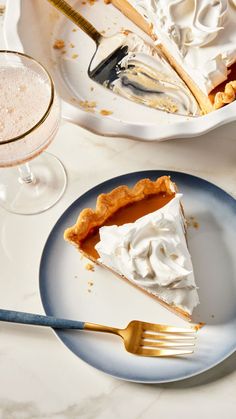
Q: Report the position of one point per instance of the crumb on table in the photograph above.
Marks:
(74, 56)
(59, 44)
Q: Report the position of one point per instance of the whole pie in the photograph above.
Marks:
(139, 234)
(198, 37)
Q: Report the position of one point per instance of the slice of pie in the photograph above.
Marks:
(199, 39)
(140, 235)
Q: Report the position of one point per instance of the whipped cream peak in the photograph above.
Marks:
(199, 34)
(193, 22)
(207, 21)
(152, 253)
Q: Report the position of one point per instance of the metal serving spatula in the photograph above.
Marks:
(133, 68)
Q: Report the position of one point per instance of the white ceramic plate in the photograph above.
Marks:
(68, 290)
(33, 27)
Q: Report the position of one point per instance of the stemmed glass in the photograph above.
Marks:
(29, 120)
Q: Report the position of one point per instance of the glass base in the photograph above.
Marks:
(46, 188)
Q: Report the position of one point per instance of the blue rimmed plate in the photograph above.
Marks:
(69, 290)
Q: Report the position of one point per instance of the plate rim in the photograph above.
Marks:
(112, 128)
(69, 209)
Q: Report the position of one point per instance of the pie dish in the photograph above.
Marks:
(139, 234)
(140, 122)
(198, 38)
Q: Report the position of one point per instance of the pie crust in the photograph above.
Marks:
(108, 204)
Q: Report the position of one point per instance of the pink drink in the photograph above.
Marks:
(25, 98)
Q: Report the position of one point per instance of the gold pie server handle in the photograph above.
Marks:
(76, 18)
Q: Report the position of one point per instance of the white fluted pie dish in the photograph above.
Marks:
(35, 27)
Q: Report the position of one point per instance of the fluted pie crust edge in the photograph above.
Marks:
(108, 203)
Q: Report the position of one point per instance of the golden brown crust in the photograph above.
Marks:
(228, 96)
(108, 204)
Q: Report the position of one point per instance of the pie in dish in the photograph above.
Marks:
(198, 37)
(139, 234)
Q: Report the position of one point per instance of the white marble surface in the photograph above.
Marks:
(39, 377)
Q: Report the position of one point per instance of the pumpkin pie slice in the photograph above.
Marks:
(139, 234)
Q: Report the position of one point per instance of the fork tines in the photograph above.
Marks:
(164, 340)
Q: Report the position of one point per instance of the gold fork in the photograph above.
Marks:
(149, 339)
(140, 338)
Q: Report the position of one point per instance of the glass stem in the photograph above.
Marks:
(26, 175)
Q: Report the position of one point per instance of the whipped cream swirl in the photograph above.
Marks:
(196, 23)
(199, 34)
(152, 253)
(187, 22)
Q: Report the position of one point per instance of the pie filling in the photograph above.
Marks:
(126, 214)
(221, 87)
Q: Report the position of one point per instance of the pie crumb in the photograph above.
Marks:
(107, 1)
(88, 106)
(74, 56)
(59, 44)
(191, 222)
(89, 267)
(105, 112)
(2, 9)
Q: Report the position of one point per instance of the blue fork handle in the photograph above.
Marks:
(39, 320)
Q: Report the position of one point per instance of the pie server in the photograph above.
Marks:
(133, 68)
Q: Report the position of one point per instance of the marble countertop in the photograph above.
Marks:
(39, 377)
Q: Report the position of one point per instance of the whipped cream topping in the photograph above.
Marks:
(152, 253)
(200, 35)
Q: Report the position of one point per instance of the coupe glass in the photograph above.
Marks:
(29, 120)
